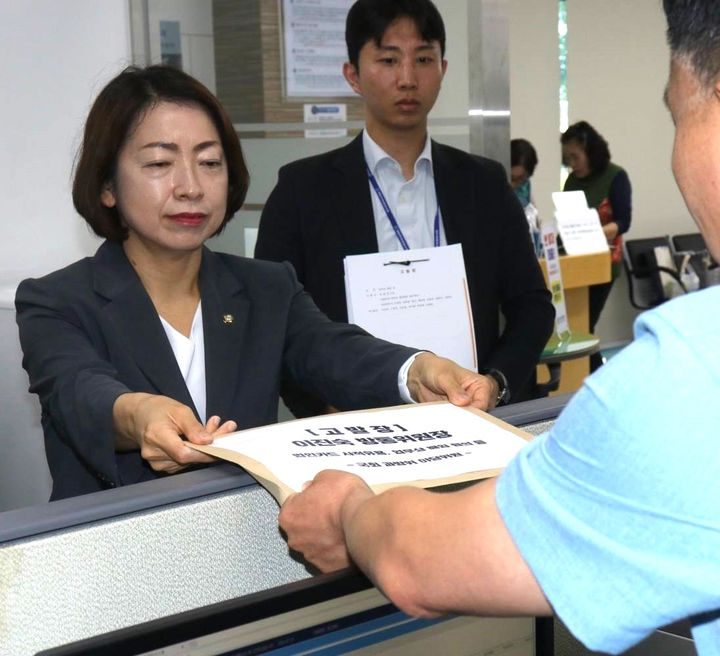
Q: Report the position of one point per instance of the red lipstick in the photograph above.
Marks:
(188, 218)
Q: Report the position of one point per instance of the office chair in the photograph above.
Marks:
(693, 246)
(690, 242)
(644, 280)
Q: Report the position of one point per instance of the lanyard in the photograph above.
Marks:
(391, 217)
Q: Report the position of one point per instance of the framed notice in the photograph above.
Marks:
(314, 48)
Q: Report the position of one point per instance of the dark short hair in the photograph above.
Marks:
(116, 112)
(591, 141)
(522, 153)
(368, 19)
(694, 32)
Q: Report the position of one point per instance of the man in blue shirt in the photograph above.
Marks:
(611, 519)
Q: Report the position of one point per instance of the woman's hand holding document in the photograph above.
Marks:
(424, 445)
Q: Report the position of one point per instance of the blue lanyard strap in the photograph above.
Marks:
(391, 217)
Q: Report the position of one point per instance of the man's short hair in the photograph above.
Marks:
(368, 19)
(694, 33)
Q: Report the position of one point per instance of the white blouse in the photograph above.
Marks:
(190, 355)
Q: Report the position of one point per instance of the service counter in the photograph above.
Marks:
(86, 566)
(578, 273)
(80, 567)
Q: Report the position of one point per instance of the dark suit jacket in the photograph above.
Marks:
(90, 332)
(321, 210)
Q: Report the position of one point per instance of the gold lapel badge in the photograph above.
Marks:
(228, 319)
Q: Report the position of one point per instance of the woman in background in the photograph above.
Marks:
(607, 189)
(523, 160)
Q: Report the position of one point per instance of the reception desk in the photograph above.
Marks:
(578, 273)
(205, 545)
(117, 559)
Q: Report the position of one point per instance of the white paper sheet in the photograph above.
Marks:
(418, 298)
(408, 443)
(578, 225)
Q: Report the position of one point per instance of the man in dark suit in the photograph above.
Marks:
(393, 188)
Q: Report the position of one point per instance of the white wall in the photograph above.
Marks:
(534, 83)
(56, 56)
(454, 99)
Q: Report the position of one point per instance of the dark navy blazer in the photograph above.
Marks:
(89, 332)
(321, 211)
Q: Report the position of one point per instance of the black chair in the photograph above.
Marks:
(693, 247)
(690, 242)
(643, 272)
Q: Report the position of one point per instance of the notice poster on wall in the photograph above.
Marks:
(315, 51)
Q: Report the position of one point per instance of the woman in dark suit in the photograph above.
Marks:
(155, 338)
(607, 189)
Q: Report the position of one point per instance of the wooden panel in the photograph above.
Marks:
(239, 59)
(248, 64)
(582, 270)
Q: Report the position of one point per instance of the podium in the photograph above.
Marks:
(578, 273)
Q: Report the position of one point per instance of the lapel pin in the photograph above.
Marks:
(228, 319)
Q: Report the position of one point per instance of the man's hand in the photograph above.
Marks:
(156, 424)
(432, 378)
(313, 519)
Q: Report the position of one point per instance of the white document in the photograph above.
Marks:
(578, 225)
(412, 444)
(418, 298)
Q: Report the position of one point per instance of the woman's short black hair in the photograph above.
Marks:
(522, 153)
(368, 19)
(116, 112)
(591, 141)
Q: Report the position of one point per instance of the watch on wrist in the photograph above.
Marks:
(503, 395)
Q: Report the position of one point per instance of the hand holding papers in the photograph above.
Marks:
(417, 297)
(579, 226)
(422, 445)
